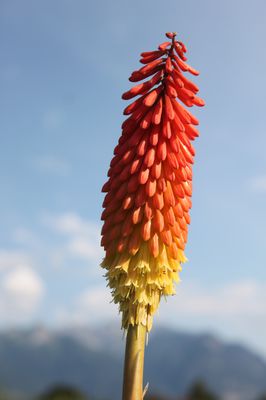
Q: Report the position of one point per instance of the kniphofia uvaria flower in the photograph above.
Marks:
(150, 185)
(146, 208)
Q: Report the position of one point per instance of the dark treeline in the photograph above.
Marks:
(198, 391)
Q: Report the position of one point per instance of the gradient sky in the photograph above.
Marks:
(63, 67)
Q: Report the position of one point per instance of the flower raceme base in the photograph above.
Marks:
(146, 208)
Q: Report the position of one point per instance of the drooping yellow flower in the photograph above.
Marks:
(146, 208)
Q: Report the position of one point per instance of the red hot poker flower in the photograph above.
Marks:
(146, 208)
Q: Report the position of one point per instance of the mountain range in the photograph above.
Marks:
(91, 359)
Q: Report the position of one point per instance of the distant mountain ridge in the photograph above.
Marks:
(91, 359)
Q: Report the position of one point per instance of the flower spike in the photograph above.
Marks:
(148, 193)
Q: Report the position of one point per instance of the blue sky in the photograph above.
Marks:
(63, 67)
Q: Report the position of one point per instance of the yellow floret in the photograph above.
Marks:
(139, 281)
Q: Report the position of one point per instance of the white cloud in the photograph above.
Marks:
(236, 310)
(258, 184)
(21, 288)
(82, 237)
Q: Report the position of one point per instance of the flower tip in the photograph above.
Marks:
(199, 102)
(170, 35)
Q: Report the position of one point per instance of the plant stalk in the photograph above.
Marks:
(134, 363)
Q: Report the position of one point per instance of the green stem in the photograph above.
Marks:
(134, 363)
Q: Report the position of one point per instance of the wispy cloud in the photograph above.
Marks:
(53, 119)
(92, 306)
(60, 239)
(71, 224)
(241, 298)
(236, 310)
(82, 237)
(52, 165)
(9, 259)
(72, 240)
(25, 237)
(258, 184)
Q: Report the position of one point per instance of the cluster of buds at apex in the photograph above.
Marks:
(148, 193)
